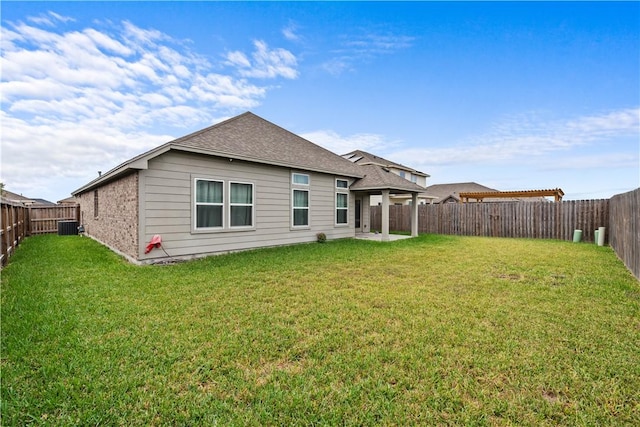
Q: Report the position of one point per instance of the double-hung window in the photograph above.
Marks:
(300, 208)
(219, 207)
(342, 202)
(209, 203)
(240, 204)
(300, 200)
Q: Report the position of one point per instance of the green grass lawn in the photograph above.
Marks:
(436, 330)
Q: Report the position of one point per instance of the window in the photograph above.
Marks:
(402, 174)
(95, 203)
(240, 204)
(342, 208)
(342, 183)
(414, 178)
(300, 205)
(209, 203)
(300, 179)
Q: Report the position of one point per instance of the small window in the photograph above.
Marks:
(342, 183)
(95, 204)
(209, 203)
(300, 179)
(402, 174)
(342, 208)
(414, 178)
(300, 205)
(240, 204)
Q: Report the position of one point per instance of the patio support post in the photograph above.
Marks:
(385, 215)
(414, 215)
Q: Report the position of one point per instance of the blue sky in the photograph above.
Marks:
(525, 95)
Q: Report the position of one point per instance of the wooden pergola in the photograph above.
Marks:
(480, 196)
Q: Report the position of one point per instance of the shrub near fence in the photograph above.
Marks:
(543, 220)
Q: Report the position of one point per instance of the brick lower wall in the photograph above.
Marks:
(116, 222)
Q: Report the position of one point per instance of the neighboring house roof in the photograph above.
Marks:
(244, 137)
(43, 202)
(381, 178)
(451, 192)
(68, 201)
(18, 198)
(444, 192)
(363, 158)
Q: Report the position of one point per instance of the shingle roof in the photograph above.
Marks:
(250, 137)
(453, 190)
(18, 198)
(245, 137)
(360, 157)
(379, 178)
(443, 191)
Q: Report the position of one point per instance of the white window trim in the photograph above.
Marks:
(196, 204)
(253, 206)
(336, 223)
(226, 206)
(342, 180)
(308, 208)
(293, 174)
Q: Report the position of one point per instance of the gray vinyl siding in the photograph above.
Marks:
(166, 206)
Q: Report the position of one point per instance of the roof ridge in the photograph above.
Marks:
(213, 126)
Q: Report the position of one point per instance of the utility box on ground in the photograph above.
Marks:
(67, 228)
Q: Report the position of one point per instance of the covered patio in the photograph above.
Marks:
(381, 181)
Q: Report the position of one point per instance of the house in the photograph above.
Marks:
(450, 193)
(67, 201)
(362, 158)
(26, 201)
(240, 184)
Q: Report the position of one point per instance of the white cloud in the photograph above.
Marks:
(377, 44)
(528, 138)
(77, 100)
(593, 161)
(49, 19)
(290, 32)
(267, 63)
(343, 144)
(364, 48)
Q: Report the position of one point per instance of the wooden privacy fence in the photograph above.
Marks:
(544, 220)
(44, 219)
(624, 229)
(19, 221)
(14, 228)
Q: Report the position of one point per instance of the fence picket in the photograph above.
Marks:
(537, 220)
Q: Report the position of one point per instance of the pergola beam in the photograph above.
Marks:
(556, 193)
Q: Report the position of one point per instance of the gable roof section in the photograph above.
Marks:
(362, 158)
(244, 137)
(381, 178)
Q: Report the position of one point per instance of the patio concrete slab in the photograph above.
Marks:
(378, 236)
